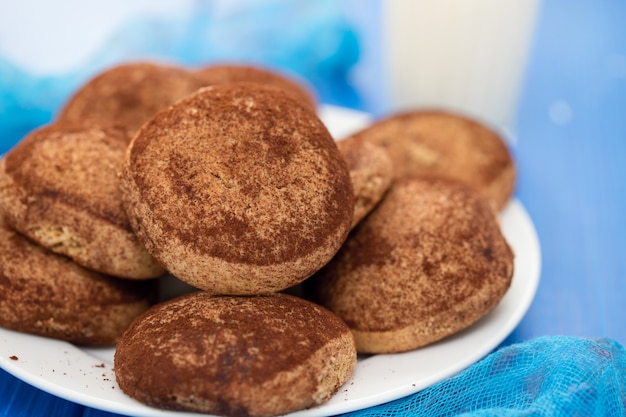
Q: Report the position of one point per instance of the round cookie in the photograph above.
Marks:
(371, 173)
(429, 261)
(444, 144)
(225, 73)
(48, 295)
(235, 356)
(238, 189)
(59, 186)
(129, 94)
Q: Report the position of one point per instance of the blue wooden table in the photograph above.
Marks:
(571, 152)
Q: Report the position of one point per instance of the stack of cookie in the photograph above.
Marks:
(430, 260)
(225, 178)
(236, 189)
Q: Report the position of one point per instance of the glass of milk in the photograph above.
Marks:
(467, 56)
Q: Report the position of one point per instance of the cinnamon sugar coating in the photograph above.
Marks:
(129, 94)
(228, 73)
(238, 189)
(429, 261)
(235, 356)
(59, 186)
(447, 145)
(371, 172)
(48, 295)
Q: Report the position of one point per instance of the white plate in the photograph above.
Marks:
(86, 376)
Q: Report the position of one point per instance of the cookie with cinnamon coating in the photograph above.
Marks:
(238, 189)
(229, 73)
(129, 94)
(371, 173)
(255, 356)
(59, 186)
(428, 262)
(447, 145)
(48, 295)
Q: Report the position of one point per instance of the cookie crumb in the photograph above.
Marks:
(14, 358)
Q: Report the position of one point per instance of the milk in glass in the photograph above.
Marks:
(463, 55)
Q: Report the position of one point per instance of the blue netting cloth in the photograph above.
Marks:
(547, 376)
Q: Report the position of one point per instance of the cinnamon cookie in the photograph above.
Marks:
(59, 186)
(238, 189)
(371, 173)
(222, 74)
(235, 356)
(48, 295)
(129, 94)
(448, 145)
(429, 261)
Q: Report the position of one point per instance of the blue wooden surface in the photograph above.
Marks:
(571, 152)
(572, 156)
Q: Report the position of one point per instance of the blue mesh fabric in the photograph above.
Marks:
(547, 376)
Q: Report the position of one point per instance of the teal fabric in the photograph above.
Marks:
(553, 376)
(312, 41)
